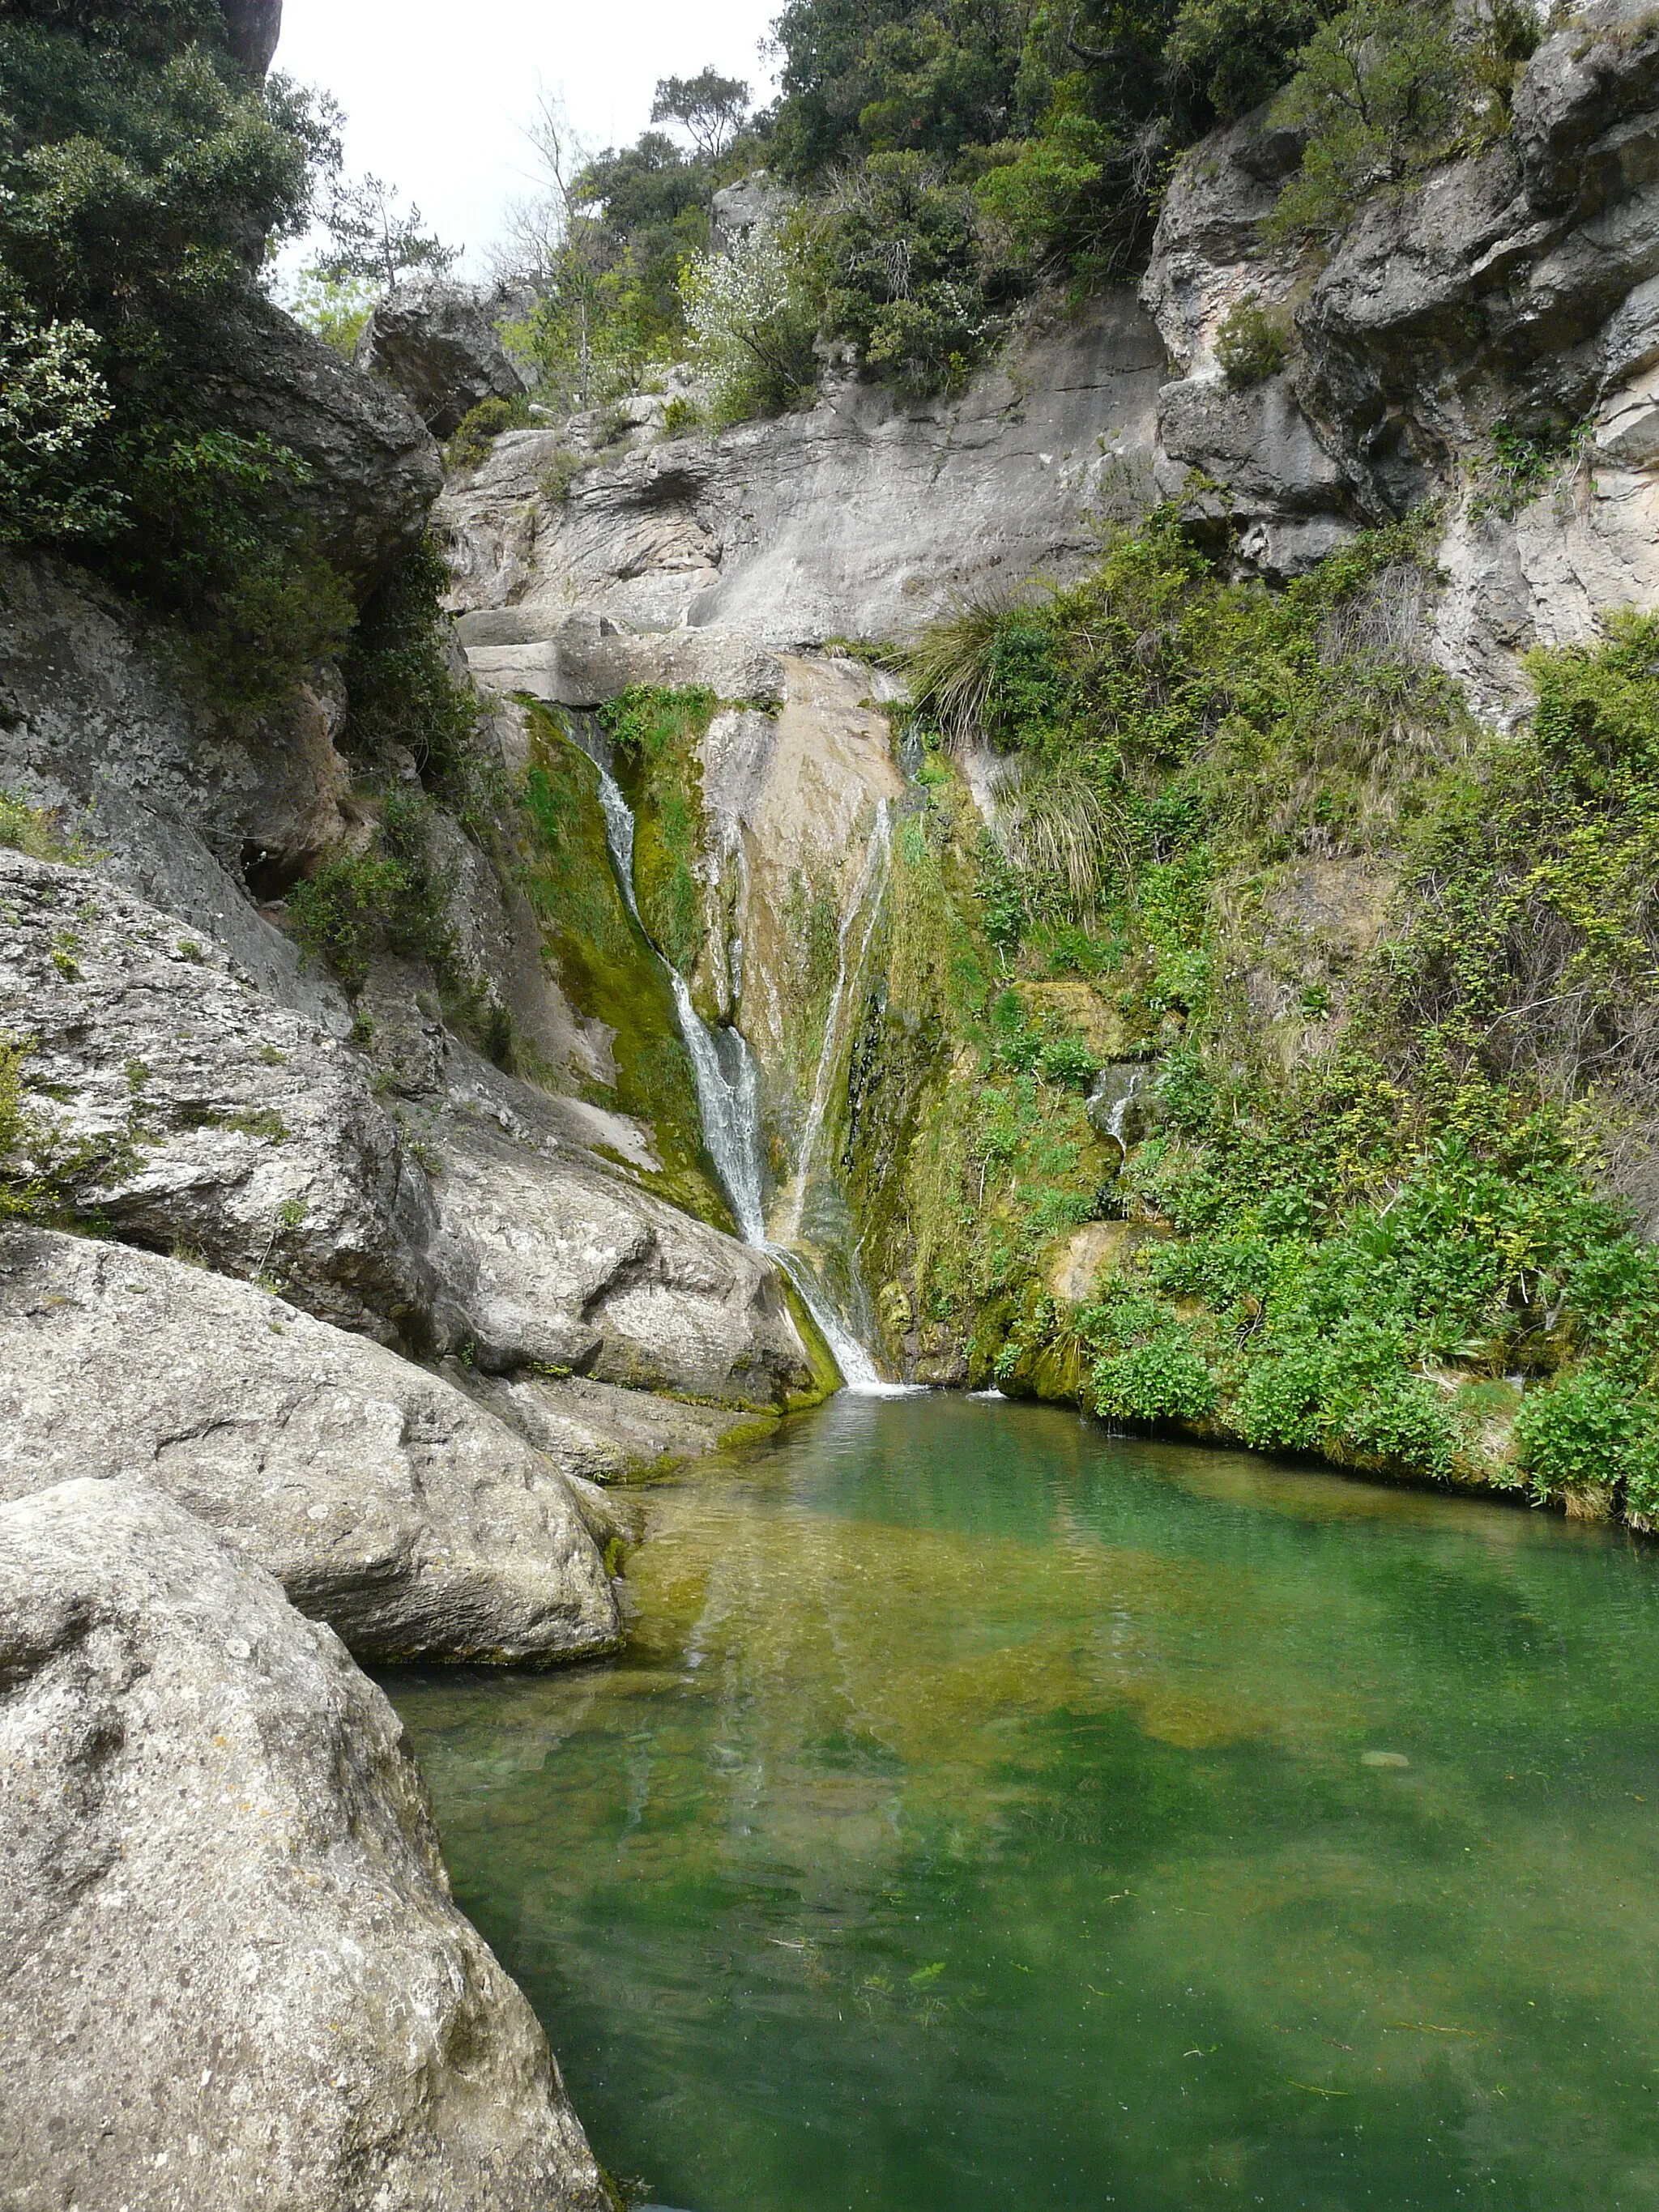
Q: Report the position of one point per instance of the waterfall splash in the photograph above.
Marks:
(728, 1097)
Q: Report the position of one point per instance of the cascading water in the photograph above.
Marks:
(728, 1093)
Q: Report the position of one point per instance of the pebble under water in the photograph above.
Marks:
(990, 1815)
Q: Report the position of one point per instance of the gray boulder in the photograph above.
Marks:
(255, 27)
(384, 1500)
(373, 469)
(435, 341)
(570, 1268)
(190, 1110)
(231, 1972)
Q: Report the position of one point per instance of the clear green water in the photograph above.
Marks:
(982, 1820)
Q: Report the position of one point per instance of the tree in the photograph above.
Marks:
(710, 108)
(375, 239)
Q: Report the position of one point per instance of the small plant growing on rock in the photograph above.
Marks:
(34, 830)
(479, 430)
(1253, 343)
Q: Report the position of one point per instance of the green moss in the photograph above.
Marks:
(604, 964)
(656, 735)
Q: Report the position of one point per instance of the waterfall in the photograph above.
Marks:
(728, 1095)
(866, 906)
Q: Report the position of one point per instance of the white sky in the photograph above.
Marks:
(435, 92)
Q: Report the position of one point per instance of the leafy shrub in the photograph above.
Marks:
(897, 252)
(389, 891)
(752, 322)
(1164, 1380)
(1253, 342)
(479, 428)
(1589, 1430)
(33, 829)
(402, 695)
(681, 417)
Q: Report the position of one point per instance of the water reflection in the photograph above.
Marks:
(991, 1815)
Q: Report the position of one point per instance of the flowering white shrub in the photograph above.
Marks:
(51, 401)
(752, 323)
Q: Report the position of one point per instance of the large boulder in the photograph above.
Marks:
(231, 1972)
(373, 469)
(190, 1110)
(573, 1269)
(437, 343)
(386, 1502)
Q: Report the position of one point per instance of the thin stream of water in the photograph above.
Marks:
(728, 1100)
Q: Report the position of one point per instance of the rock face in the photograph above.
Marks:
(374, 470)
(231, 1974)
(193, 1113)
(189, 1110)
(386, 1501)
(436, 343)
(861, 517)
(175, 796)
(1521, 287)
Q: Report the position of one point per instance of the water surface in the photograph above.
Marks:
(991, 1815)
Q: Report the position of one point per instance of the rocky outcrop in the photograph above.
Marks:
(436, 343)
(384, 1500)
(189, 1110)
(373, 469)
(178, 799)
(1521, 287)
(859, 518)
(231, 1973)
(255, 27)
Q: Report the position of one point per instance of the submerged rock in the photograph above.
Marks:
(231, 1973)
(386, 1502)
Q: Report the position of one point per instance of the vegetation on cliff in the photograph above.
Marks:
(943, 163)
(144, 167)
(1377, 986)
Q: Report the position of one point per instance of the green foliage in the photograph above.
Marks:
(1386, 89)
(33, 829)
(480, 427)
(1349, 1222)
(750, 319)
(403, 697)
(1592, 1431)
(53, 401)
(140, 176)
(336, 309)
(389, 891)
(374, 240)
(656, 734)
(1253, 343)
(604, 964)
(895, 248)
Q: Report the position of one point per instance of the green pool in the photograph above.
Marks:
(993, 1815)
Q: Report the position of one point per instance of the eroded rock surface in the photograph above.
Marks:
(174, 797)
(386, 1502)
(1522, 288)
(231, 1973)
(436, 342)
(189, 1110)
(860, 518)
(600, 1433)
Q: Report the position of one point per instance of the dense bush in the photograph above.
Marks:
(141, 175)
